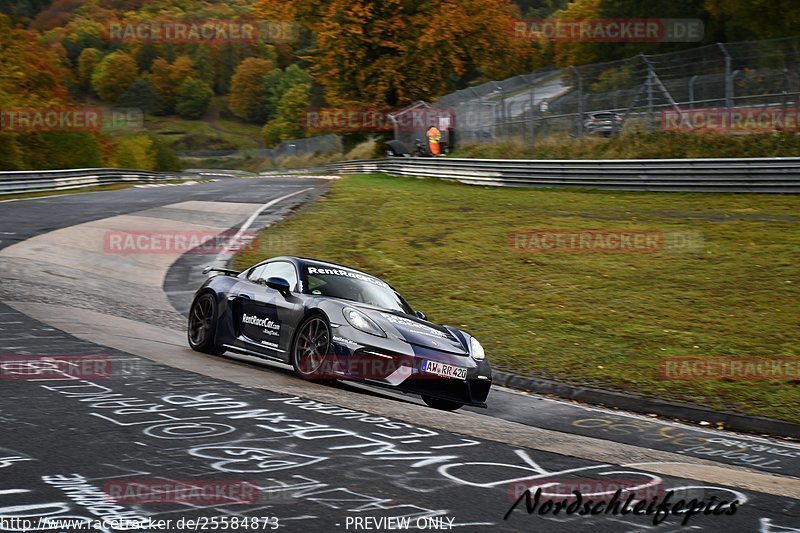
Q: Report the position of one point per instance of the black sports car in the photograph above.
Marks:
(333, 322)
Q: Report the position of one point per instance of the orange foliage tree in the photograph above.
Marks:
(394, 52)
(168, 77)
(30, 74)
(247, 89)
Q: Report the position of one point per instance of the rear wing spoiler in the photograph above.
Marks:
(225, 271)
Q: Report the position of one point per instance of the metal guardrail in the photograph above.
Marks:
(24, 181)
(762, 175)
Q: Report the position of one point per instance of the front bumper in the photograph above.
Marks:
(403, 370)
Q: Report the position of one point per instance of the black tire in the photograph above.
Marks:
(442, 405)
(202, 329)
(310, 349)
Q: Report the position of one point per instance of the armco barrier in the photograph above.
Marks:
(24, 181)
(763, 175)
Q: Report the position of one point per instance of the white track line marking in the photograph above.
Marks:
(249, 222)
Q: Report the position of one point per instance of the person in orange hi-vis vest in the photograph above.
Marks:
(434, 136)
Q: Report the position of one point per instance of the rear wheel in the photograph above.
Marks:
(310, 349)
(203, 325)
(443, 405)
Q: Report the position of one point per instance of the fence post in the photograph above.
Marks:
(649, 89)
(503, 121)
(691, 91)
(728, 77)
(393, 120)
(580, 100)
(785, 96)
(491, 116)
(531, 79)
(650, 124)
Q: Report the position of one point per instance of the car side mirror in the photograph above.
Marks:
(280, 285)
(421, 315)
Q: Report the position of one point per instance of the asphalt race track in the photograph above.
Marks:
(310, 457)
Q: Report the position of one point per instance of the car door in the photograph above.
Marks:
(266, 318)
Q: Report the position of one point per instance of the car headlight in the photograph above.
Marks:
(362, 322)
(477, 350)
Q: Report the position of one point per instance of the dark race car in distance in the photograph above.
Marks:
(333, 322)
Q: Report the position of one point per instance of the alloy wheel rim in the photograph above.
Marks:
(311, 348)
(200, 325)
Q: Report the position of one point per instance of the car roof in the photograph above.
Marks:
(307, 261)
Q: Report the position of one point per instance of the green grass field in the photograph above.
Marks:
(236, 133)
(597, 319)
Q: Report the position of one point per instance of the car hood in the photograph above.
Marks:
(416, 331)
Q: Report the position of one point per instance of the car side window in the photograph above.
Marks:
(277, 269)
(256, 273)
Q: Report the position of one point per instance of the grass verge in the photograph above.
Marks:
(603, 320)
(639, 145)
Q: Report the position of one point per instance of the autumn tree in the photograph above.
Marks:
(759, 19)
(204, 64)
(636, 9)
(567, 53)
(30, 74)
(137, 151)
(113, 75)
(166, 160)
(194, 97)
(19, 10)
(288, 122)
(61, 149)
(145, 55)
(277, 82)
(393, 52)
(56, 14)
(247, 86)
(87, 61)
(168, 77)
(227, 58)
(141, 95)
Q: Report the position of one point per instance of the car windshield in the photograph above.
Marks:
(354, 286)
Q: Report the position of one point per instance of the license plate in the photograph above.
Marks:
(444, 370)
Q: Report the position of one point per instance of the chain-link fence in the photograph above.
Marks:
(322, 144)
(689, 89)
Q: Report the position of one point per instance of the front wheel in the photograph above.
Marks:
(311, 348)
(202, 329)
(443, 405)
